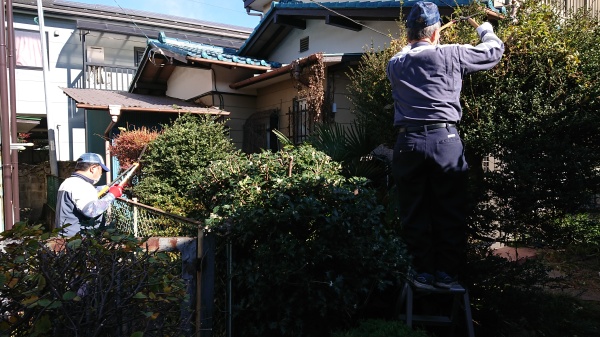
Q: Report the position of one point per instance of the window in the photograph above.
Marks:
(28, 49)
(301, 121)
(304, 44)
(138, 54)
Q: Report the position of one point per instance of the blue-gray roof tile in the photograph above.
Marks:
(208, 52)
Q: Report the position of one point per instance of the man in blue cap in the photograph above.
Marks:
(77, 205)
(429, 164)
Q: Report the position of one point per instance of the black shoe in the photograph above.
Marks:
(422, 280)
(443, 280)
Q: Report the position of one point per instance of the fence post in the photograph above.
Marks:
(188, 267)
(206, 283)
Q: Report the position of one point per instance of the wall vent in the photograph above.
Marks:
(304, 44)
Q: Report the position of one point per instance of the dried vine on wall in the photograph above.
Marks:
(309, 79)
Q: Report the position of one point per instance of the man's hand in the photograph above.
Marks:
(116, 190)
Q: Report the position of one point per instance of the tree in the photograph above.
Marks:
(536, 113)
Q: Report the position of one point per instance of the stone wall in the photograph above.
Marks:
(33, 181)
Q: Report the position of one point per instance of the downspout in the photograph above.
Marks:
(7, 186)
(12, 64)
(115, 112)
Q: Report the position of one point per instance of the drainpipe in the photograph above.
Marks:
(115, 113)
(7, 186)
(12, 64)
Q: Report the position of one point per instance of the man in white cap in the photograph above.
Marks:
(78, 206)
(429, 165)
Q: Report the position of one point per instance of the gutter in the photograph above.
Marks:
(274, 73)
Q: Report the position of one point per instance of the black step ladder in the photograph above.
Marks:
(460, 299)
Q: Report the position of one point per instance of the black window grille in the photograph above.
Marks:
(301, 121)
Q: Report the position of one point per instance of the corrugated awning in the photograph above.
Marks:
(95, 99)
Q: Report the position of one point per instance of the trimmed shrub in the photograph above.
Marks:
(310, 247)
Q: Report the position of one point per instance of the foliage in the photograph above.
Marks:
(309, 81)
(128, 144)
(370, 93)
(511, 298)
(173, 163)
(99, 285)
(310, 248)
(535, 113)
(380, 328)
(352, 146)
(574, 230)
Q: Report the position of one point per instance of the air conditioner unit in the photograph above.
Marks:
(95, 54)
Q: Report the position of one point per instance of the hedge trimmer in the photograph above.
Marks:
(122, 179)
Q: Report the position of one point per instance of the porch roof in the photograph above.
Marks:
(95, 99)
(185, 51)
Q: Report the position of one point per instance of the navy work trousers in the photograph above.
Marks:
(431, 174)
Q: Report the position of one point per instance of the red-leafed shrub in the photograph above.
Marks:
(128, 145)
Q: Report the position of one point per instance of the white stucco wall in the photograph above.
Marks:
(186, 83)
(330, 39)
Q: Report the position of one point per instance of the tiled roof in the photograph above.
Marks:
(101, 99)
(208, 52)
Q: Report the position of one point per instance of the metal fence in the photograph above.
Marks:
(132, 217)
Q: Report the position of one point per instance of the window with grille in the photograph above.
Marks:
(304, 44)
(301, 121)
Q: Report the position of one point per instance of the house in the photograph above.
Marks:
(88, 47)
(295, 68)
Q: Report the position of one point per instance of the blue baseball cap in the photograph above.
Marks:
(423, 14)
(93, 158)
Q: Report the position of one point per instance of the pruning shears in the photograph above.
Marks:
(462, 18)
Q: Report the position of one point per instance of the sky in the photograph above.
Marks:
(230, 12)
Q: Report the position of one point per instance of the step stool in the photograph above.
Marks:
(460, 298)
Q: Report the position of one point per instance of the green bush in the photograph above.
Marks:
(310, 248)
(100, 285)
(173, 163)
(380, 328)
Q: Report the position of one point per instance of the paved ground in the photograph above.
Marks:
(584, 284)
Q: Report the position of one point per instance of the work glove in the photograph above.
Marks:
(116, 190)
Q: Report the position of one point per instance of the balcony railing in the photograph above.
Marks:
(107, 77)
